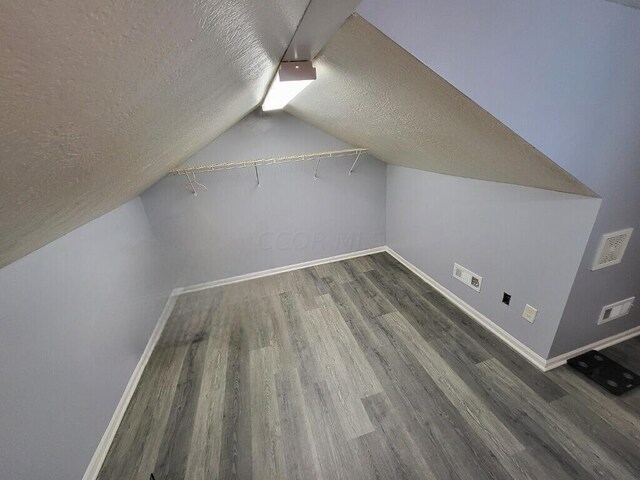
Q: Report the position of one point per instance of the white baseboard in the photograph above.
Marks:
(107, 438)
(273, 271)
(536, 360)
(529, 355)
(559, 360)
(105, 443)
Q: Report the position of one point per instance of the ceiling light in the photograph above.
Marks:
(291, 79)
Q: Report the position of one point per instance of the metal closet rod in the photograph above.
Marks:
(268, 161)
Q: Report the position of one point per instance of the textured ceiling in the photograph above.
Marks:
(370, 92)
(99, 99)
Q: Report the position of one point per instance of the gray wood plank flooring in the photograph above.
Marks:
(359, 370)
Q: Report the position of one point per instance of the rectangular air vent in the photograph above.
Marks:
(615, 310)
(467, 277)
(611, 248)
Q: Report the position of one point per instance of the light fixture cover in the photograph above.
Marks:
(291, 79)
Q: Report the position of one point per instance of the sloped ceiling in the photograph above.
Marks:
(322, 19)
(370, 92)
(99, 99)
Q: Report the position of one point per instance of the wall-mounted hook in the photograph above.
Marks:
(354, 163)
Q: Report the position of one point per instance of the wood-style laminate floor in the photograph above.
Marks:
(358, 370)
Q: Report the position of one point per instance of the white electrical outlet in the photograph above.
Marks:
(529, 313)
(615, 310)
(467, 277)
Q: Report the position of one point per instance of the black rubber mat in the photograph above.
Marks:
(605, 372)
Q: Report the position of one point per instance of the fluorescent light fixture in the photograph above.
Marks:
(291, 79)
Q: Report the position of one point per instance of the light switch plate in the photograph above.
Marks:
(529, 313)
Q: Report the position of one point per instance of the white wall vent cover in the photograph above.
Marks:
(615, 310)
(611, 248)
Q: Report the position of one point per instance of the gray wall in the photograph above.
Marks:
(236, 227)
(524, 241)
(564, 75)
(75, 317)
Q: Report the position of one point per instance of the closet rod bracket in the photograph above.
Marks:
(354, 163)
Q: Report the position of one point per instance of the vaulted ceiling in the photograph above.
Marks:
(100, 99)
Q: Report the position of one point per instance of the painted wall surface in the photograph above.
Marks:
(237, 227)
(523, 241)
(75, 317)
(564, 75)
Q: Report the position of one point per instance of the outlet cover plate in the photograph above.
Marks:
(529, 313)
